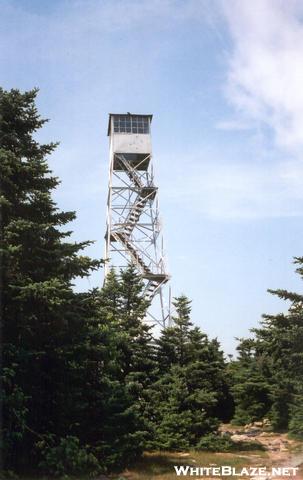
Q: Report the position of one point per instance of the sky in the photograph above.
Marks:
(223, 80)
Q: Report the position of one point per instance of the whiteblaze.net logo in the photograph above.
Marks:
(259, 473)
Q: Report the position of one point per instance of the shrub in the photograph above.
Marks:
(215, 443)
(66, 456)
(218, 443)
(296, 419)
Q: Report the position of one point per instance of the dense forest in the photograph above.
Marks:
(86, 387)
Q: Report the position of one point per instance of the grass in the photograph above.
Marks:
(160, 465)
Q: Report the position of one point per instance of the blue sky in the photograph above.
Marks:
(223, 80)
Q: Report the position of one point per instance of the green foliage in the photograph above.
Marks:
(66, 356)
(38, 264)
(296, 417)
(66, 456)
(251, 389)
(191, 391)
(223, 443)
(216, 443)
(14, 407)
(135, 362)
(267, 377)
(181, 414)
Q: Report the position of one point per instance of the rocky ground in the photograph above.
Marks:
(281, 451)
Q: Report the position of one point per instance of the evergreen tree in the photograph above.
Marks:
(62, 358)
(272, 363)
(191, 393)
(295, 425)
(136, 353)
(37, 267)
(251, 387)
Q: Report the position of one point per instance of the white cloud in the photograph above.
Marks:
(265, 70)
(264, 86)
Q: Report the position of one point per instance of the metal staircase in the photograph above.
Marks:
(144, 195)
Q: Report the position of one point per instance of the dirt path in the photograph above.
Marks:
(282, 452)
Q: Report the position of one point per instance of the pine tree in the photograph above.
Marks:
(268, 375)
(136, 358)
(61, 350)
(251, 387)
(280, 340)
(295, 425)
(37, 268)
(173, 344)
(191, 392)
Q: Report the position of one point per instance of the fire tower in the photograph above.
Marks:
(133, 231)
